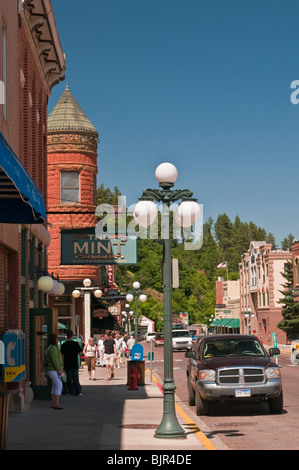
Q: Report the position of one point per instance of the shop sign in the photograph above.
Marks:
(81, 246)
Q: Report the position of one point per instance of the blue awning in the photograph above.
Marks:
(21, 202)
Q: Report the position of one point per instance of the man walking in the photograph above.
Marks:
(109, 352)
(70, 350)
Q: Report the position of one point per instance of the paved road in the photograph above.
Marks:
(249, 427)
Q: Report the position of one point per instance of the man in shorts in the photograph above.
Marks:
(109, 352)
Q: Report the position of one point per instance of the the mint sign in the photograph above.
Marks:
(81, 246)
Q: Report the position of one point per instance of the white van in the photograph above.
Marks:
(181, 339)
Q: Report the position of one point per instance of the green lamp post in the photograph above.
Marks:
(144, 214)
(142, 298)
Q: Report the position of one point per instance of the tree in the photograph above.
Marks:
(290, 308)
(287, 242)
(106, 196)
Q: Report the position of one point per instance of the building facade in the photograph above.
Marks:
(260, 285)
(31, 63)
(72, 171)
(295, 260)
(227, 308)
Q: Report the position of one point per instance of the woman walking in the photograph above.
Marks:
(54, 367)
(90, 351)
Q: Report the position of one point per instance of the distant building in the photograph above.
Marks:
(260, 285)
(227, 308)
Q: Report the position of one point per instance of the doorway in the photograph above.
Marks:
(40, 329)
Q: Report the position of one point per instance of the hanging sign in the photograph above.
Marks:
(81, 246)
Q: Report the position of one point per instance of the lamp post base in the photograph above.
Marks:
(169, 428)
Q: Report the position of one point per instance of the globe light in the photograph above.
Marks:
(188, 213)
(98, 293)
(61, 289)
(142, 297)
(129, 297)
(76, 293)
(55, 288)
(145, 213)
(45, 283)
(136, 285)
(87, 282)
(166, 173)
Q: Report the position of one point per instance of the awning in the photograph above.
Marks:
(20, 199)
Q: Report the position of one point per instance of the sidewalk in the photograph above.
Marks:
(107, 417)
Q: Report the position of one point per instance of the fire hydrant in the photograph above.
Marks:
(134, 375)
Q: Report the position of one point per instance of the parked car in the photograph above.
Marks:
(150, 336)
(295, 352)
(159, 340)
(181, 339)
(232, 368)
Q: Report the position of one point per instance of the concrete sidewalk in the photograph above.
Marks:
(107, 417)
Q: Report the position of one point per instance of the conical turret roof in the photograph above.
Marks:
(67, 115)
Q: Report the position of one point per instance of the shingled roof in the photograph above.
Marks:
(67, 115)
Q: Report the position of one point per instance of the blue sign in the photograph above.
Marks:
(137, 352)
(14, 369)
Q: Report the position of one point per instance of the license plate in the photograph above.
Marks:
(242, 392)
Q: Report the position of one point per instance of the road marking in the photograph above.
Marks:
(197, 432)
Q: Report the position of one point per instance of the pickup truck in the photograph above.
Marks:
(232, 368)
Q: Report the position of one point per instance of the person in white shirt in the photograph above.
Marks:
(130, 344)
(100, 351)
(90, 351)
(119, 348)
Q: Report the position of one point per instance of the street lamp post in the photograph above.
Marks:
(249, 315)
(142, 298)
(87, 290)
(127, 314)
(144, 214)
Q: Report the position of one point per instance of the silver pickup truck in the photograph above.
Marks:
(232, 368)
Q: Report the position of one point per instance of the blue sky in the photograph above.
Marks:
(203, 84)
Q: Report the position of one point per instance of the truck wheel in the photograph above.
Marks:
(191, 394)
(275, 405)
(201, 406)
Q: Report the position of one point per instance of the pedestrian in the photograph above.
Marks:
(90, 351)
(54, 367)
(130, 344)
(109, 352)
(126, 337)
(100, 350)
(70, 350)
(119, 348)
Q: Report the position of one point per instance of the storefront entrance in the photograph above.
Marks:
(40, 329)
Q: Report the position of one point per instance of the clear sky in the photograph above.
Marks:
(203, 84)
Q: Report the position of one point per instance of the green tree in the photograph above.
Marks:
(290, 309)
(287, 242)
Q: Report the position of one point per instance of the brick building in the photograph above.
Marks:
(260, 284)
(72, 171)
(31, 63)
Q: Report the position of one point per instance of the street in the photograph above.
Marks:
(243, 427)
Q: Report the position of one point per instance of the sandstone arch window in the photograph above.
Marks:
(69, 187)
